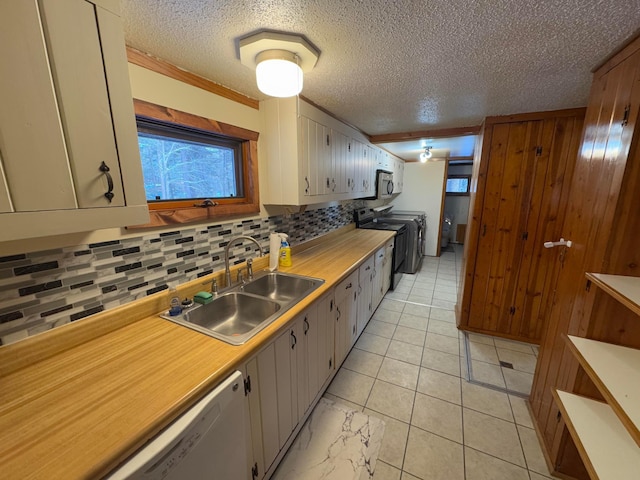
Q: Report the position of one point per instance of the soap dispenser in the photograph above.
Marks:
(285, 251)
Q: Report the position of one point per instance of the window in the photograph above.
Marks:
(195, 168)
(185, 164)
(458, 184)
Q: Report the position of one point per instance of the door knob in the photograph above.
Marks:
(561, 243)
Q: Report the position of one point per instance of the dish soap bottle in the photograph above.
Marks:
(285, 251)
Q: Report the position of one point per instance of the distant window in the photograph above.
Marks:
(458, 184)
(179, 163)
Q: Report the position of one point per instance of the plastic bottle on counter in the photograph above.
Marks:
(175, 306)
(274, 251)
(285, 251)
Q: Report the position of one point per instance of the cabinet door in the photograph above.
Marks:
(365, 301)
(370, 171)
(255, 419)
(324, 157)
(341, 158)
(74, 44)
(357, 184)
(326, 326)
(269, 408)
(309, 154)
(346, 296)
(28, 89)
(377, 287)
(286, 383)
(386, 268)
(66, 109)
(308, 371)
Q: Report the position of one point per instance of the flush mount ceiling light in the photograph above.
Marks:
(279, 60)
(426, 155)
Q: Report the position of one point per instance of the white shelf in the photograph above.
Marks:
(624, 289)
(615, 370)
(607, 449)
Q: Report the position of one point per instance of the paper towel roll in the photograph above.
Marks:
(274, 250)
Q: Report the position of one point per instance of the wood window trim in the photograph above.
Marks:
(175, 213)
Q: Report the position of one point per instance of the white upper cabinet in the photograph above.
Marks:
(311, 156)
(398, 175)
(68, 139)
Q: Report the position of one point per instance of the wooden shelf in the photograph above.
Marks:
(607, 449)
(615, 370)
(624, 289)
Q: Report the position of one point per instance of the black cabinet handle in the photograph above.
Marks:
(295, 340)
(105, 169)
(339, 313)
(306, 325)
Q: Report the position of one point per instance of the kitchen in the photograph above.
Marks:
(90, 261)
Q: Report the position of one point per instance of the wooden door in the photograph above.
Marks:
(549, 175)
(603, 173)
(513, 147)
(528, 167)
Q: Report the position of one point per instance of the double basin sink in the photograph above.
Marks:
(239, 313)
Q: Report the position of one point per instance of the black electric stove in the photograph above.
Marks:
(365, 218)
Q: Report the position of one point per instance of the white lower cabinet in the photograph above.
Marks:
(387, 266)
(377, 288)
(285, 379)
(346, 316)
(326, 340)
(365, 295)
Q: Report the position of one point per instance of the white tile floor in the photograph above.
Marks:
(408, 368)
(488, 356)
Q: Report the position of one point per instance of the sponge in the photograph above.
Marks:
(203, 298)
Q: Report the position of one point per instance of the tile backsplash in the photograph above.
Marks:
(43, 290)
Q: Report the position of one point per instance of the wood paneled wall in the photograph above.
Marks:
(603, 221)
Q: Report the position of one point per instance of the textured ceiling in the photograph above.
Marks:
(397, 66)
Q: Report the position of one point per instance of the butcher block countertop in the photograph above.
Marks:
(78, 400)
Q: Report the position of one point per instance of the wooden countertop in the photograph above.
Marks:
(78, 400)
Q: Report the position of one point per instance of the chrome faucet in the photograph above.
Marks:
(227, 270)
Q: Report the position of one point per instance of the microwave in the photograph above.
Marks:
(384, 184)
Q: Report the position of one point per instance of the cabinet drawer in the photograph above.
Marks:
(347, 286)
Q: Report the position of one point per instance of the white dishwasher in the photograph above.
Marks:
(206, 442)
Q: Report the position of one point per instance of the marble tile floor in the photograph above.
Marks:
(409, 369)
(335, 443)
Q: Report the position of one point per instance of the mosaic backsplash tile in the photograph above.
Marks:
(43, 290)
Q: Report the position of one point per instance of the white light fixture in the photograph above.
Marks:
(426, 155)
(280, 60)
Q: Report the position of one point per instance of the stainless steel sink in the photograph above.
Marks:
(239, 313)
(282, 287)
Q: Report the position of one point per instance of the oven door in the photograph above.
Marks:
(399, 257)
